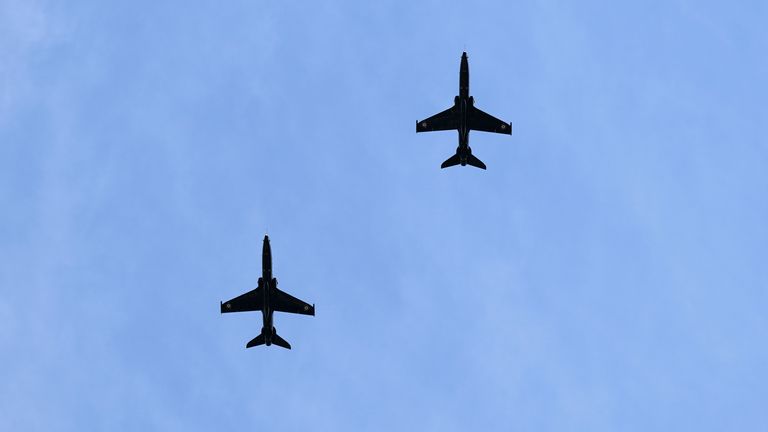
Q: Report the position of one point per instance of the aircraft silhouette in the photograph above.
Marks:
(463, 116)
(267, 299)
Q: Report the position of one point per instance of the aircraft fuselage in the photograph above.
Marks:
(267, 282)
(464, 104)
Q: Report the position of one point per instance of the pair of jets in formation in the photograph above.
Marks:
(462, 116)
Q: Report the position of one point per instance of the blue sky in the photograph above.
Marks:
(606, 273)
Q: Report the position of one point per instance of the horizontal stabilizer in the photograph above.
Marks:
(277, 340)
(258, 340)
(451, 161)
(475, 162)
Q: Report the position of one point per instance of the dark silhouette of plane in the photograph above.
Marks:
(463, 116)
(268, 299)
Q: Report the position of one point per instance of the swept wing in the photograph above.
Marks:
(482, 121)
(250, 301)
(445, 120)
(284, 302)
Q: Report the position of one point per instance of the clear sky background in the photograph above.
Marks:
(606, 273)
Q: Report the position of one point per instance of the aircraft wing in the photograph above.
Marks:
(446, 120)
(250, 301)
(481, 121)
(284, 302)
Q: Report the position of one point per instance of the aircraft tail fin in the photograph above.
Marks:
(258, 340)
(475, 162)
(451, 161)
(277, 340)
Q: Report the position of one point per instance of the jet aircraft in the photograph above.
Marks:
(463, 116)
(267, 299)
